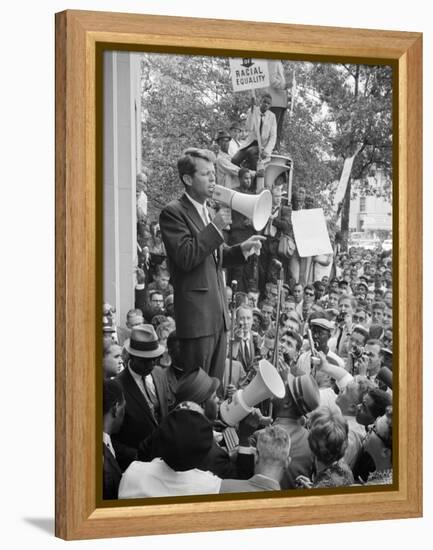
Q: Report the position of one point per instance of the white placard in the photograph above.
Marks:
(249, 74)
(311, 233)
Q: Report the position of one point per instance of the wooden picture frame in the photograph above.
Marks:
(80, 36)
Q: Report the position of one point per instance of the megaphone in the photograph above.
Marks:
(276, 166)
(257, 208)
(266, 383)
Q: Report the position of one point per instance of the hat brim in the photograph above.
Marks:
(144, 354)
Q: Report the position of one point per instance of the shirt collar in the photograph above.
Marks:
(137, 377)
(198, 206)
(106, 439)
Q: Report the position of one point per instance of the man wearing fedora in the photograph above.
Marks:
(145, 388)
(196, 256)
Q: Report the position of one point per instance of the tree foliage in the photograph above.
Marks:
(359, 101)
(187, 99)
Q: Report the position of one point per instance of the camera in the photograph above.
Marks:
(340, 317)
(357, 352)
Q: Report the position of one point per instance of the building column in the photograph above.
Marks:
(122, 157)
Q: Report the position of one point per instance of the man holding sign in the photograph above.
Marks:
(262, 134)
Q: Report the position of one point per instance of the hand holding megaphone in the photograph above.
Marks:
(222, 218)
(267, 383)
(256, 207)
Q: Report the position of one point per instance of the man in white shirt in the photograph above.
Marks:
(235, 143)
(226, 171)
(262, 134)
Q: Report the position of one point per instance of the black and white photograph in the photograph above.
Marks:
(247, 316)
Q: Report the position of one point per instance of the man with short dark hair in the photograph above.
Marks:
(245, 345)
(298, 293)
(372, 351)
(267, 309)
(112, 360)
(161, 282)
(113, 406)
(373, 404)
(378, 309)
(347, 306)
(196, 255)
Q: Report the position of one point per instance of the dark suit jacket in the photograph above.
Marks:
(238, 351)
(255, 483)
(139, 421)
(112, 475)
(199, 294)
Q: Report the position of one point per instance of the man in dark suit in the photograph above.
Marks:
(145, 388)
(246, 345)
(196, 255)
(114, 412)
(241, 228)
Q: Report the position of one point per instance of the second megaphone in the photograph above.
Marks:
(257, 208)
(266, 383)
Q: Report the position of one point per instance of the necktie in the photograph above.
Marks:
(148, 397)
(247, 355)
(207, 222)
(206, 215)
(261, 123)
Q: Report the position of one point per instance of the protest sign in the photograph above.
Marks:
(311, 233)
(249, 74)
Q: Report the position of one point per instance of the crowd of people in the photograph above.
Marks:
(193, 340)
